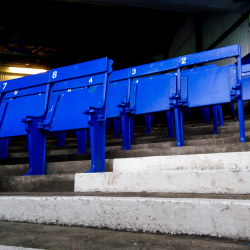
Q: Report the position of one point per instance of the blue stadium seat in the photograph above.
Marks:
(68, 98)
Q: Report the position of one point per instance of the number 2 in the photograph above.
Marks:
(183, 60)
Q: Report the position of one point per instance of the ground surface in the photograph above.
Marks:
(65, 237)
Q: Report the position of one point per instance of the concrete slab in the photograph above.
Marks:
(16, 248)
(222, 218)
(173, 181)
(37, 183)
(61, 237)
(232, 161)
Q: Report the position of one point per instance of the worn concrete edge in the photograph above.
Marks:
(213, 161)
(221, 218)
(172, 181)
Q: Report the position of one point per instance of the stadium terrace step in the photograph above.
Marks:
(65, 167)
(200, 216)
(173, 181)
(38, 183)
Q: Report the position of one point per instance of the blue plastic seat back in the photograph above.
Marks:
(246, 82)
(18, 106)
(117, 94)
(71, 98)
(208, 86)
(72, 104)
(151, 94)
(20, 99)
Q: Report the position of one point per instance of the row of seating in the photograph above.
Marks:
(83, 96)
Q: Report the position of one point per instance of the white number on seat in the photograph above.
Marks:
(91, 80)
(4, 85)
(183, 60)
(54, 75)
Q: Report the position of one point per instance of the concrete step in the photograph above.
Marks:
(194, 216)
(201, 173)
(83, 165)
(234, 136)
(141, 151)
(217, 161)
(65, 167)
(73, 149)
(173, 181)
(38, 183)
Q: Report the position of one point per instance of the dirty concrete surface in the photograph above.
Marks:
(65, 237)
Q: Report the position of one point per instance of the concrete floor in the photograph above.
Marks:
(65, 237)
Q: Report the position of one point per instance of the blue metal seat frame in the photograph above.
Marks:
(217, 86)
(53, 86)
(131, 75)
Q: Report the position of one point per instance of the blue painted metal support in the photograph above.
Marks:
(10, 141)
(88, 134)
(126, 126)
(207, 114)
(215, 119)
(26, 147)
(182, 126)
(36, 145)
(148, 123)
(178, 126)
(116, 127)
(3, 148)
(81, 141)
(53, 135)
(174, 103)
(238, 88)
(203, 114)
(131, 127)
(97, 127)
(189, 114)
(231, 105)
(241, 120)
(107, 124)
(61, 139)
(220, 115)
(170, 122)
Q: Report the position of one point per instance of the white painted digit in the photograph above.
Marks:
(91, 80)
(183, 60)
(15, 92)
(54, 75)
(133, 71)
(137, 81)
(69, 90)
(4, 85)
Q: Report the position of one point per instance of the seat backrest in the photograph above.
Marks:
(208, 86)
(29, 96)
(152, 94)
(21, 97)
(120, 86)
(71, 98)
